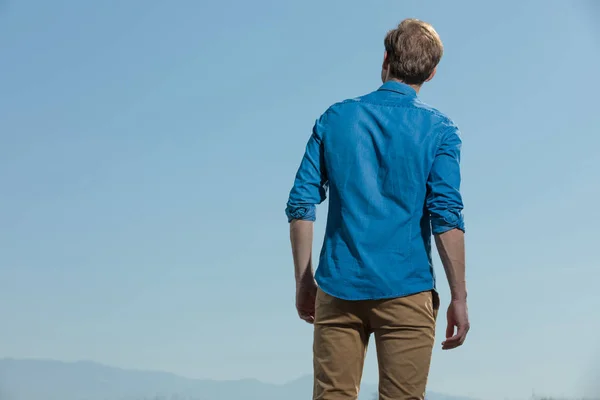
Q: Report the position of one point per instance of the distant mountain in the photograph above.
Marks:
(54, 380)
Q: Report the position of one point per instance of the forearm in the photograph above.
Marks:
(451, 248)
(301, 237)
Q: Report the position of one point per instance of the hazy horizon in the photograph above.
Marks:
(96, 372)
(90, 381)
(147, 151)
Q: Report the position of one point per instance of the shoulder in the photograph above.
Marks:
(443, 121)
(443, 124)
(445, 129)
(342, 106)
(336, 110)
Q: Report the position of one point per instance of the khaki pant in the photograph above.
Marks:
(404, 330)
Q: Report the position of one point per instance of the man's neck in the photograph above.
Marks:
(416, 87)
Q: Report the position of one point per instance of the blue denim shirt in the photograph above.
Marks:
(391, 166)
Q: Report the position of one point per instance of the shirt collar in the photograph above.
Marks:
(398, 87)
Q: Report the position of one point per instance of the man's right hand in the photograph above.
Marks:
(458, 325)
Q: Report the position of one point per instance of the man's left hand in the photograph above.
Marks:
(306, 295)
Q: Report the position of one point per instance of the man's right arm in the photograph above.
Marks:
(444, 203)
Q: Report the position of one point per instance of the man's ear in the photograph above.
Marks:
(385, 68)
(385, 60)
(432, 75)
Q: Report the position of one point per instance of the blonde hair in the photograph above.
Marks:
(414, 49)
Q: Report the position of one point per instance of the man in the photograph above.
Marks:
(391, 166)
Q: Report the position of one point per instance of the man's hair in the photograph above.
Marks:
(414, 49)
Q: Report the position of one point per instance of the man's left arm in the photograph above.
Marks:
(310, 189)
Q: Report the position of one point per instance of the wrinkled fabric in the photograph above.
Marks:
(390, 165)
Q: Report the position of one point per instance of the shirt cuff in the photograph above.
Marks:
(447, 222)
(305, 213)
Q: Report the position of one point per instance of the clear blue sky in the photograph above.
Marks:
(147, 149)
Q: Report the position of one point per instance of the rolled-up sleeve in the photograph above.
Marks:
(444, 200)
(310, 185)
